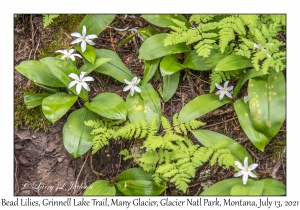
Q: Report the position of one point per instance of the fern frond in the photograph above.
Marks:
(226, 35)
(48, 19)
(201, 18)
(166, 124)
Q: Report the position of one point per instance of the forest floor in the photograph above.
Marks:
(43, 166)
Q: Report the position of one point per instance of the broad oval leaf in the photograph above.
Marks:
(109, 105)
(200, 106)
(196, 62)
(222, 188)
(151, 103)
(34, 99)
(114, 68)
(273, 187)
(170, 65)
(89, 53)
(165, 20)
(57, 105)
(38, 73)
(267, 102)
(153, 48)
(258, 139)
(208, 138)
(76, 135)
(251, 188)
(250, 74)
(170, 84)
(61, 69)
(100, 188)
(136, 181)
(150, 69)
(135, 108)
(233, 62)
(95, 24)
(89, 67)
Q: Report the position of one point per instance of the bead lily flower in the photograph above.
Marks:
(245, 170)
(132, 85)
(80, 81)
(224, 90)
(68, 54)
(83, 38)
(261, 47)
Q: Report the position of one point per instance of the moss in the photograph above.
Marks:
(32, 118)
(59, 31)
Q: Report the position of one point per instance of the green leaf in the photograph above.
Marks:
(151, 103)
(170, 65)
(150, 70)
(251, 188)
(200, 106)
(208, 138)
(196, 62)
(170, 84)
(34, 99)
(89, 53)
(114, 68)
(38, 73)
(273, 187)
(76, 135)
(100, 188)
(57, 105)
(135, 108)
(147, 31)
(61, 69)
(233, 62)
(89, 67)
(109, 105)
(249, 74)
(165, 20)
(95, 24)
(267, 102)
(258, 139)
(153, 48)
(222, 187)
(137, 182)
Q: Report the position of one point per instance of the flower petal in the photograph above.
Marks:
(85, 85)
(245, 178)
(221, 95)
(76, 34)
(252, 174)
(90, 42)
(74, 76)
(126, 88)
(83, 46)
(61, 51)
(88, 78)
(228, 94)
(131, 91)
(83, 31)
(246, 162)
(72, 57)
(240, 173)
(77, 55)
(82, 75)
(137, 89)
(134, 80)
(76, 41)
(92, 36)
(253, 166)
(239, 164)
(138, 81)
(127, 82)
(78, 88)
(230, 88)
(226, 84)
(71, 51)
(218, 86)
(72, 84)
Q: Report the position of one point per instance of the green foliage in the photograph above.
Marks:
(48, 19)
(33, 117)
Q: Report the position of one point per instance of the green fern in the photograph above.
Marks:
(48, 19)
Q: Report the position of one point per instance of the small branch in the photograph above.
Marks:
(80, 171)
(219, 123)
(32, 33)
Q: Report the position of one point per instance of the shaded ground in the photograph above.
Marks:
(44, 167)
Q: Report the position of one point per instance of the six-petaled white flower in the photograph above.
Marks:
(224, 90)
(80, 81)
(132, 85)
(245, 170)
(261, 47)
(83, 38)
(68, 54)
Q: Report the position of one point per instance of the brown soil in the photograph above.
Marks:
(43, 166)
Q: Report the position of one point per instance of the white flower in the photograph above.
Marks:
(224, 90)
(80, 81)
(132, 85)
(261, 47)
(83, 38)
(245, 170)
(68, 54)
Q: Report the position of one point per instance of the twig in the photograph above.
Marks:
(190, 84)
(219, 123)
(36, 49)
(111, 40)
(16, 176)
(80, 171)
(32, 33)
(198, 77)
(91, 163)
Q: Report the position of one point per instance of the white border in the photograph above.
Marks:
(141, 7)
